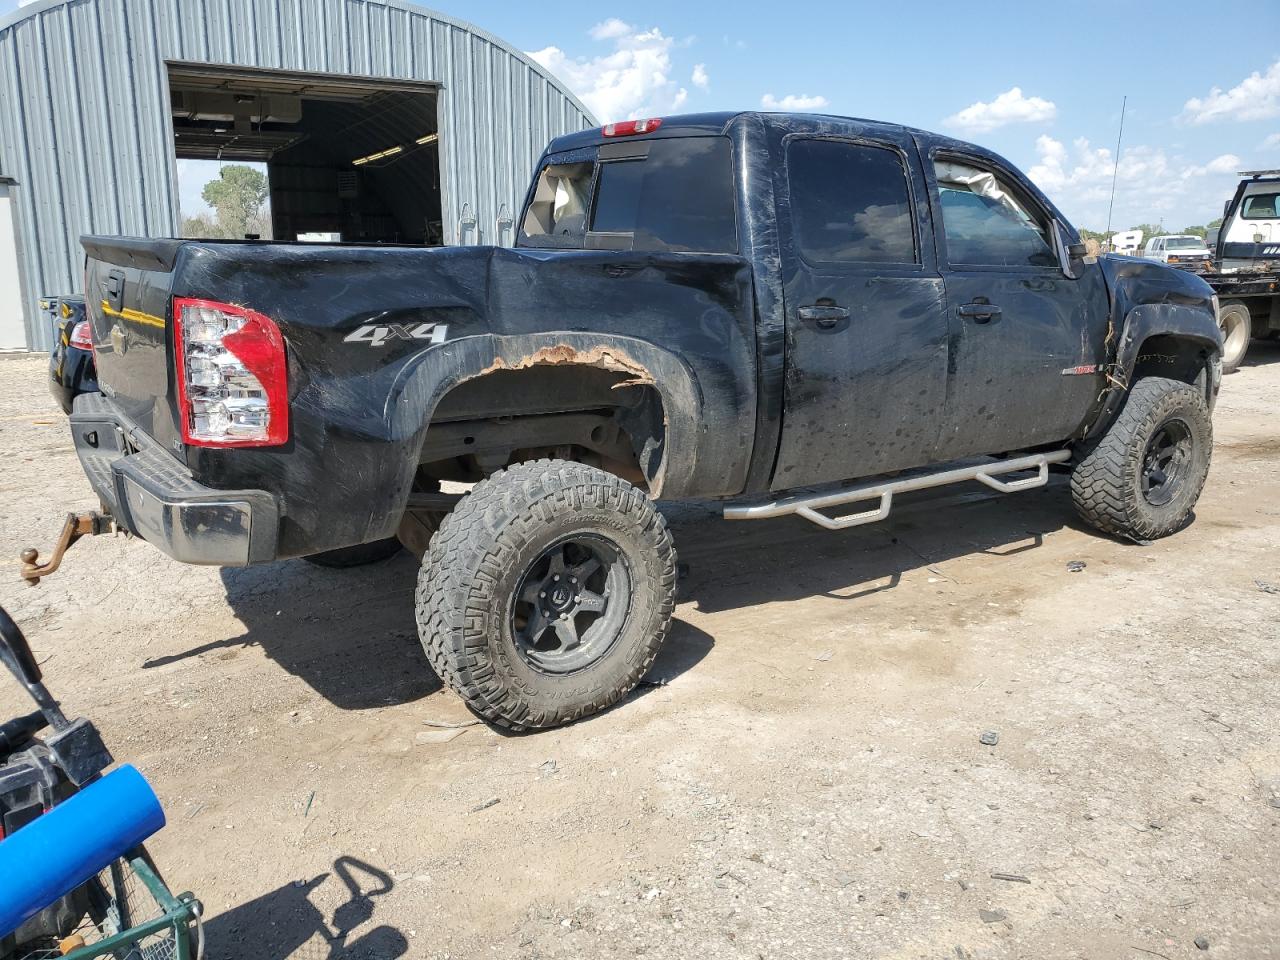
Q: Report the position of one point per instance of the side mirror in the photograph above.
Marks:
(1069, 254)
(16, 652)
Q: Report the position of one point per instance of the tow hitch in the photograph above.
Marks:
(73, 528)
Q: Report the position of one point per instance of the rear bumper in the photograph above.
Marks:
(152, 494)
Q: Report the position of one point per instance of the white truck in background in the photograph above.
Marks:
(1246, 273)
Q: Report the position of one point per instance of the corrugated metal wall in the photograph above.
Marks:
(86, 133)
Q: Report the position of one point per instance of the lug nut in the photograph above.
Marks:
(556, 577)
(542, 594)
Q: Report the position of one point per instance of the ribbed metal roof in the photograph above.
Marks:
(85, 126)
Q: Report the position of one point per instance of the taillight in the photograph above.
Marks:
(81, 336)
(232, 375)
(629, 128)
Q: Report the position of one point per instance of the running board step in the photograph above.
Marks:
(807, 505)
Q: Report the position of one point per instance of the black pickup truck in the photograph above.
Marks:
(787, 313)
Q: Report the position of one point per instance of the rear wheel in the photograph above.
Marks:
(1236, 325)
(1142, 478)
(546, 593)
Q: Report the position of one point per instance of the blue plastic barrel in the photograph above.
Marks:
(58, 851)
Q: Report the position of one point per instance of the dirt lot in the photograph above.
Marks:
(803, 778)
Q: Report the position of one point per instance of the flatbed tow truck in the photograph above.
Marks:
(1246, 276)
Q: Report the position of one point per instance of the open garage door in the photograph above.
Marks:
(349, 159)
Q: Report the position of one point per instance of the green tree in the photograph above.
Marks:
(238, 197)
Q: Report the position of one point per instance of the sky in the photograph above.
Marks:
(1040, 83)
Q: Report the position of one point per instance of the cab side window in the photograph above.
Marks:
(850, 203)
(985, 223)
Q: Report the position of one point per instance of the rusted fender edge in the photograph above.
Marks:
(433, 373)
(1141, 324)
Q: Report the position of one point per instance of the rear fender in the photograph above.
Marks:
(435, 372)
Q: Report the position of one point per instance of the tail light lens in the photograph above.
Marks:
(232, 375)
(81, 336)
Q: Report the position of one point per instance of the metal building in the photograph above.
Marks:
(379, 120)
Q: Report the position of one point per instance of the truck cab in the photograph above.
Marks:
(1249, 238)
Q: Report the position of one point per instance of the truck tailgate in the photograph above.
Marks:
(128, 285)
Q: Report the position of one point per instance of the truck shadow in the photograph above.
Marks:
(739, 564)
(284, 923)
(351, 634)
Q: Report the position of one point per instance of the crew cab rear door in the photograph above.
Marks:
(866, 350)
(1027, 340)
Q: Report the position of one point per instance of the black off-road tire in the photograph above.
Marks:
(357, 556)
(473, 572)
(1237, 327)
(1107, 482)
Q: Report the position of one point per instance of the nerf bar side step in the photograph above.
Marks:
(807, 505)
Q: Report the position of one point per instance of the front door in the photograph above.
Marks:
(1027, 341)
(866, 350)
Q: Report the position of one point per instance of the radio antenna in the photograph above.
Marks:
(1116, 170)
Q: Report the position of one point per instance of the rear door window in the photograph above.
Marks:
(850, 203)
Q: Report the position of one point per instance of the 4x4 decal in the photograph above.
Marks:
(376, 336)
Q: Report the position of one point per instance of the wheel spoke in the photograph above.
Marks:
(585, 569)
(557, 563)
(567, 631)
(537, 625)
(589, 602)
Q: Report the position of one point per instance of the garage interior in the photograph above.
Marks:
(349, 159)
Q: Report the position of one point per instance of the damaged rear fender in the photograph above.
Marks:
(433, 373)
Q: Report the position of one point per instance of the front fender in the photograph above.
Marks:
(424, 382)
(1193, 324)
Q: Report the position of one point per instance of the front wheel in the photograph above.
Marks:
(546, 593)
(1236, 325)
(1142, 478)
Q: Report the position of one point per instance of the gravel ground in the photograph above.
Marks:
(802, 777)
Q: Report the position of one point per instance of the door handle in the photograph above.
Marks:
(824, 315)
(979, 310)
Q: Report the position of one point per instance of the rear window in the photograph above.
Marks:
(678, 196)
(1260, 206)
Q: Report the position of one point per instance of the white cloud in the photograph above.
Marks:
(632, 81)
(793, 102)
(1271, 143)
(1227, 163)
(610, 29)
(700, 78)
(1256, 97)
(1149, 183)
(1009, 107)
